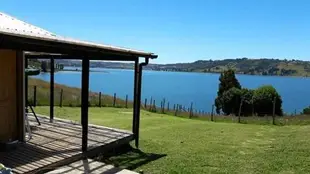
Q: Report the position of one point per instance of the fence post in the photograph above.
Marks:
(252, 107)
(35, 96)
(114, 99)
(126, 101)
(164, 103)
(60, 101)
(212, 114)
(99, 99)
(239, 114)
(151, 105)
(191, 110)
(274, 112)
(176, 111)
(145, 103)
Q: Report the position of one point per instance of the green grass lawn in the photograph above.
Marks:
(195, 146)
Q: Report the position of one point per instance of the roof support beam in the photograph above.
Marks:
(26, 81)
(84, 106)
(138, 102)
(20, 95)
(52, 72)
(135, 95)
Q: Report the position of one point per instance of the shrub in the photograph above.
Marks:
(263, 99)
(247, 98)
(306, 111)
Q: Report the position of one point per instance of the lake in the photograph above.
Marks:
(184, 88)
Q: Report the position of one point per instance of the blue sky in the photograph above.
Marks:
(179, 30)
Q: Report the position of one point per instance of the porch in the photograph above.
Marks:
(59, 143)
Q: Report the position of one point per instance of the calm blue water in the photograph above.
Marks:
(184, 88)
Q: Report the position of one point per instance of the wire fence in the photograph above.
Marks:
(40, 96)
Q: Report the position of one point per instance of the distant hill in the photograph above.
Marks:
(261, 66)
(244, 66)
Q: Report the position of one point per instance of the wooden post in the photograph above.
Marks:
(135, 95)
(114, 100)
(26, 81)
(252, 102)
(99, 99)
(21, 96)
(145, 103)
(240, 108)
(176, 111)
(84, 104)
(154, 106)
(126, 101)
(151, 105)
(35, 96)
(139, 86)
(212, 113)
(274, 112)
(164, 103)
(60, 99)
(191, 111)
(52, 90)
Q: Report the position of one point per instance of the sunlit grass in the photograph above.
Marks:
(195, 146)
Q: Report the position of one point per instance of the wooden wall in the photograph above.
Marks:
(10, 114)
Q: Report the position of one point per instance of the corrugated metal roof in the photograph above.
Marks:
(12, 26)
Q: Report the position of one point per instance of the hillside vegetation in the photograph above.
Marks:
(244, 66)
(240, 65)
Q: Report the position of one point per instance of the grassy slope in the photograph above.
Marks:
(71, 95)
(194, 146)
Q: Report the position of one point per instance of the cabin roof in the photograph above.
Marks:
(11, 26)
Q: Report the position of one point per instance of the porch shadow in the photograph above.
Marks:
(127, 157)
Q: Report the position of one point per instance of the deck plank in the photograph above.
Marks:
(59, 143)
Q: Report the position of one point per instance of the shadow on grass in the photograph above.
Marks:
(127, 157)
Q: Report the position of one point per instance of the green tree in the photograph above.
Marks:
(263, 99)
(230, 101)
(247, 101)
(227, 80)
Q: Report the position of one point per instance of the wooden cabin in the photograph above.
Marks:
(20, 41)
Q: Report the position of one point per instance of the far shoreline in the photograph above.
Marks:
(79, 70)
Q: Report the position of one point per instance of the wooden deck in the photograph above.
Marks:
(59, 143)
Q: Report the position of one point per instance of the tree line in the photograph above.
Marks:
(233, 99)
